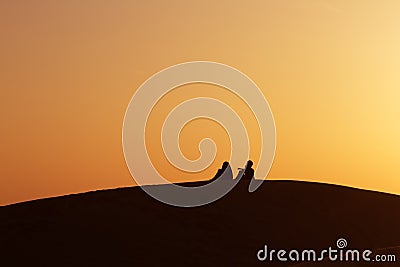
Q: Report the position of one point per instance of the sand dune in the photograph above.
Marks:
(126, 227)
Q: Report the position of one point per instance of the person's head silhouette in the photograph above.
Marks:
(225, 165)
(249, 164)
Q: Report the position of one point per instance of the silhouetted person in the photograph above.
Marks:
(248, 171)
(221, 171)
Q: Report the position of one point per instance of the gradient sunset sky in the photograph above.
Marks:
(329, 70)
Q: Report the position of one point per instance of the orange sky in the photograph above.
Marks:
(329, 69)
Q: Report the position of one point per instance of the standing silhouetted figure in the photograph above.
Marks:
(248, 171)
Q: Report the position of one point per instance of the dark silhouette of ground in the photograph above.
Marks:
(126, 227)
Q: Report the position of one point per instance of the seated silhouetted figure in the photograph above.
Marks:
(248, 171)
(219, 173)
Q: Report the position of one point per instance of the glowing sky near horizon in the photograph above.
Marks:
(329, 70)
